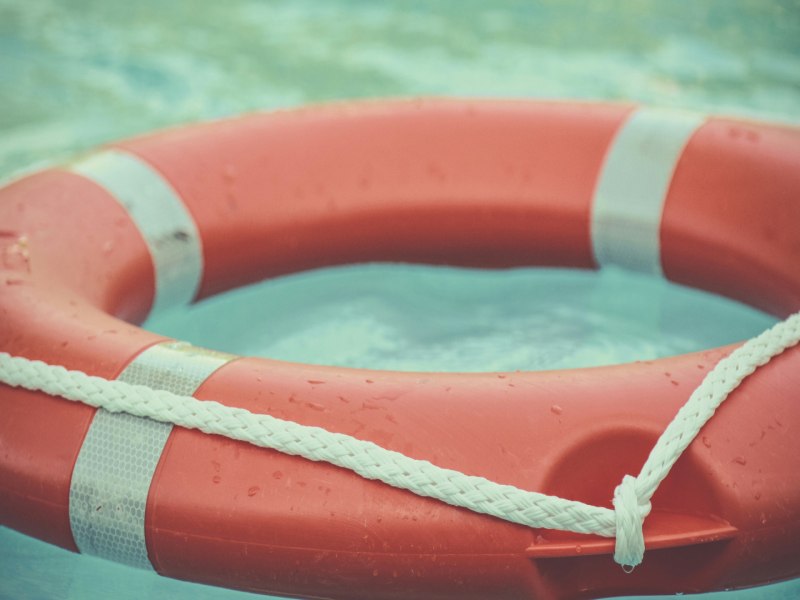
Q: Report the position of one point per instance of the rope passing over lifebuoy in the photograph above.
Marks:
(631, 500)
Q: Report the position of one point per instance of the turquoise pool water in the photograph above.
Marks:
(74, 74)
(417, 318)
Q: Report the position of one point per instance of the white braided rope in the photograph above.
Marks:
(631, 498)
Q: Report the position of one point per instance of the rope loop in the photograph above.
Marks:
(630, 512)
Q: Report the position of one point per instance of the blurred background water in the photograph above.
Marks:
(75, 74)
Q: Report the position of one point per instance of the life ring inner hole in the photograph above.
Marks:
(425, 318)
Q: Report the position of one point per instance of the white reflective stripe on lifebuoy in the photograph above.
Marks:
(115, 466)
(633, 185)
(164, 222)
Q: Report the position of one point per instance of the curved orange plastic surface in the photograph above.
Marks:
(492, 184)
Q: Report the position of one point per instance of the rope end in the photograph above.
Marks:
(630, 513)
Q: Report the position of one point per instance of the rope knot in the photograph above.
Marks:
(630, 512)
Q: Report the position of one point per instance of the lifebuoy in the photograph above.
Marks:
(90, 249)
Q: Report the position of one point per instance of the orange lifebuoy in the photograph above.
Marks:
(88, 250)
